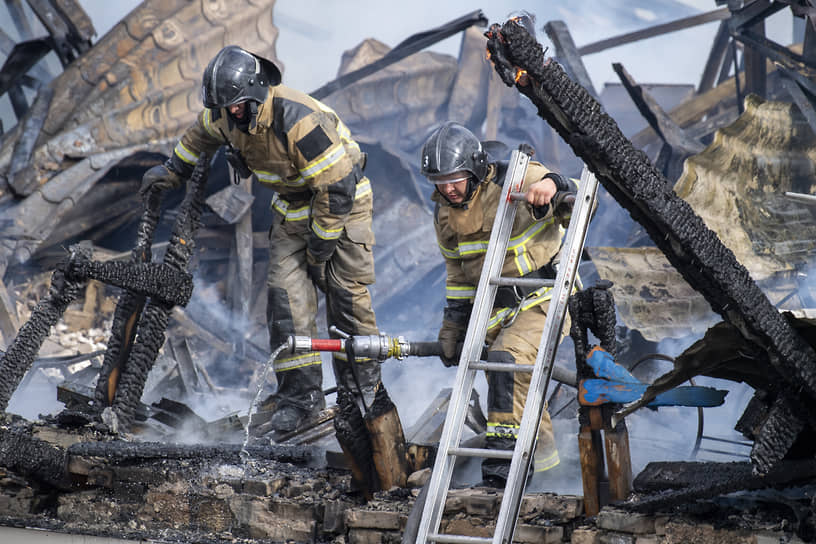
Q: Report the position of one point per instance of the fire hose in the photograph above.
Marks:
(380, 347)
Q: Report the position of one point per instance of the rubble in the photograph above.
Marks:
(177, 474)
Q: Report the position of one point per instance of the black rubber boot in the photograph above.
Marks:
(495, 471)
(299, 398)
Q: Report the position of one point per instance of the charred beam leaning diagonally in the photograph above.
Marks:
(162, 282)
(128, 309)
(20, 355)
(689, 245)
(150, 335)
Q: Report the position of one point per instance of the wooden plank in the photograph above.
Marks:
(468, 96)
(774, 51)
(809, 43)
(657, 118)
(712, 123)
(715, 58)
(590, 453)
(657, 30)
(692, 110)
(755, 73)
(752, 13)
(231, 202)
(618, 462)
(495, 90)
(568, 55)
(244, 252)
(801, 101)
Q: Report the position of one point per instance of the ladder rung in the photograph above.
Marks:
(523, 282)
(481, 452)
(459, 539)
(500, 367)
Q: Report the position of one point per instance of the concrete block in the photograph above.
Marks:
(616, 538)
(625, 522)
(585, 535)
(213, 514)
(373, 519)
(334, 518)
(263, 488)
(557, 507)
(481, 505)
(538, 534)
(369, 536)
(468, 526)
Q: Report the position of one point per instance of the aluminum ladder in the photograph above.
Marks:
(469, 362)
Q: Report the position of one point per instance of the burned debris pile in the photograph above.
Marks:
(785, 358)
(155, 437)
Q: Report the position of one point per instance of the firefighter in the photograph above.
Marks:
(468, 186)
(321, 235)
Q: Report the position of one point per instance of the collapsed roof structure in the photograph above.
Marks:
(722, 161)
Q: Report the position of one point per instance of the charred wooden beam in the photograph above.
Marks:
(177, 414)
(568, 55)
(121, 452)
(32, 125)
(128, 309)
(804, 104)
(754, 57)
(67, 24)
(657, 30)
(409, 46)
(354, 440)
(715, 58)
(753, 13)
(160, 281)
(23, 57)
(32, 457)
(777, 434)
(712, 123)
(388, 449)
(681, 145)
(773, 51)
(153, 324)
(809, 40)
(672, 484)
(20, 355)
(696, 251)
(240, 282)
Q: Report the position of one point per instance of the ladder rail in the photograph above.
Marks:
(542, 373)
(474, 339)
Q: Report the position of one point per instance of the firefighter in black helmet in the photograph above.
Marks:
(468, 186)
(321, 235)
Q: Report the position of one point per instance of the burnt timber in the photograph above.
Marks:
(690, 246)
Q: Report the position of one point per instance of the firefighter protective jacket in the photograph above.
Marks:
(301, 148)
(463, 234)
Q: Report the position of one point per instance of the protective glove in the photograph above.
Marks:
(451, 336)
(159, 178)
(316, 270)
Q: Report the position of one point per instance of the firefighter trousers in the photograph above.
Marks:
(292, 309)
(507, 391)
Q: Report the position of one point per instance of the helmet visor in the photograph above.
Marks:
(454, 177)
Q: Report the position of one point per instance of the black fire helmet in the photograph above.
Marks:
(235, 75)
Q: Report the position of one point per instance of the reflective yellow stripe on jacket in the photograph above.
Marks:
(517, 245)
(283, 206)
